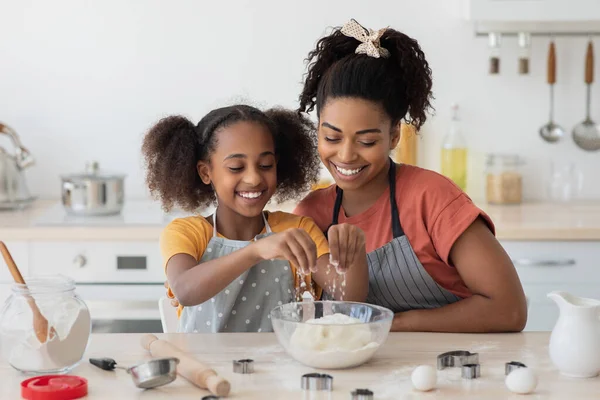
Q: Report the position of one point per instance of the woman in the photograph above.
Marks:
(433, 257)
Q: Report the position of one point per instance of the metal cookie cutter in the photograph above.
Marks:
(243, 366)
(362, 394)
(316, 381)
(456, 358)
(470, 371)
(511, 366)
(211, 397)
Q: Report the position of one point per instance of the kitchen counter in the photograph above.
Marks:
(276, 374)
(528, 221)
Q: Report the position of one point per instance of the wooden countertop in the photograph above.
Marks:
(528, 221)
(277, 376)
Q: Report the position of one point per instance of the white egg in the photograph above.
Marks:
(424, 378)
(522, 381)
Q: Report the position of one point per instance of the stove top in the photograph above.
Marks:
(134, 213)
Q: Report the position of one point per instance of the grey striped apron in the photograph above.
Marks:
(245, 304)
(397, 279)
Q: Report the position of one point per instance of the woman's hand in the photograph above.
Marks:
(346, 245)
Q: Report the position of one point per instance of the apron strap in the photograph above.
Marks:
(395, 215)
(215, 224)
(396, 226)
(267, 226)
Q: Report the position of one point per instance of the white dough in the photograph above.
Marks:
(424, 378)
(332, 332)
(522, 381)
(334, 341)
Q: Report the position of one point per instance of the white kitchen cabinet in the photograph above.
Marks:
(120, 282)
(543, 267)
(114, 262)
(534, 10)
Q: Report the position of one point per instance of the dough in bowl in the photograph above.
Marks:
(331, 332)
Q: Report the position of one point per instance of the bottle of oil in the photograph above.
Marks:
(454, 152)
(406, 150)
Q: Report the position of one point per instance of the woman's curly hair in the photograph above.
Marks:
(401, 83)
(173, 147)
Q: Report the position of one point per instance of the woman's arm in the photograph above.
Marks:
(347, 250)
(498, 303)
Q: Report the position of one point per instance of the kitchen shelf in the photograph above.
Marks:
(548, 29)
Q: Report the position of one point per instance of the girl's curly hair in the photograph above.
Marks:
(173, 147)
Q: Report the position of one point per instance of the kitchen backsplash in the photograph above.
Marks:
(83, 83)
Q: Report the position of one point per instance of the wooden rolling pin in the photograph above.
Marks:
(190, 368)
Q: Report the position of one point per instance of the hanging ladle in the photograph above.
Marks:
(551, 132)
(586, 134)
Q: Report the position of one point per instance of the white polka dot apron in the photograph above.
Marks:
(244, 305)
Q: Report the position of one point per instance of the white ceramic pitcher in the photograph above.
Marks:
(575, 339)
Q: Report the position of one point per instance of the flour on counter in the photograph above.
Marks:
(333, 341)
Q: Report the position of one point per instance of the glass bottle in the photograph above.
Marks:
(454, 152)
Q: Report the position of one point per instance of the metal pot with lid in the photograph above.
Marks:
(93, 193)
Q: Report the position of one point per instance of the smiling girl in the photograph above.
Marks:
(229, 270)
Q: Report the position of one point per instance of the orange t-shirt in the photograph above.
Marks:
(434, 212)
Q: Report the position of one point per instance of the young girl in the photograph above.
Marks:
(433, 257)
(228, 271)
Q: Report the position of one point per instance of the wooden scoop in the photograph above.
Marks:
(40, 323)
(190, 368)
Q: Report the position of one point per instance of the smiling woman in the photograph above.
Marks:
(432, 255)
(229, 270)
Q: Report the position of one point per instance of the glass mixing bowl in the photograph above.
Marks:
(331, 334)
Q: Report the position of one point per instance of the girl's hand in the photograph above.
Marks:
(294, 245)
(174, 301)
(346, 244)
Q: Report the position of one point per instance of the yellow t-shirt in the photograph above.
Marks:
(191, 235)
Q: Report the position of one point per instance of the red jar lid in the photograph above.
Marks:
(54, 387)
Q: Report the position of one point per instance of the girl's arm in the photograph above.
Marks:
(498, 303)
(347, 249)
(194, 283)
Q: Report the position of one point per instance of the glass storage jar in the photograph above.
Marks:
(56, 349)
(504, 179)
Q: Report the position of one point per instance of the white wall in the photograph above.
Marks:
(83, 80)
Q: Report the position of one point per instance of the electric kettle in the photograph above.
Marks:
(14, 192)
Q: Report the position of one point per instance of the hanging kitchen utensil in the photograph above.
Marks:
(147, 375)
(586, 134)
(40, 323)
(524, 52)
(494, 40)
(14, 192)
(551, 132)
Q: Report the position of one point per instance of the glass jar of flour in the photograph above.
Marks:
(25, 344)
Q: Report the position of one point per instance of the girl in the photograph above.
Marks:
(433, 257)
(229, 270)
